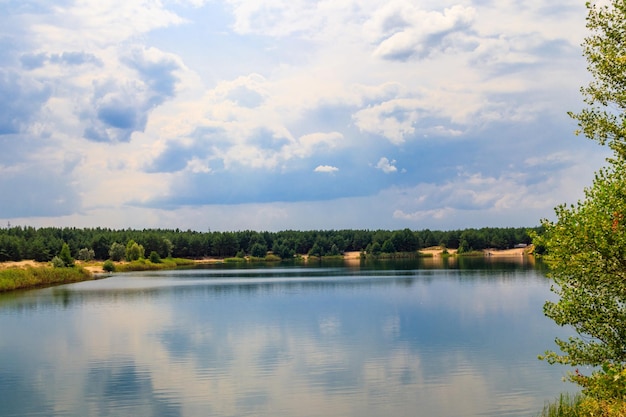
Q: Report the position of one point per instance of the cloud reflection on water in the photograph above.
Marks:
(379, 346)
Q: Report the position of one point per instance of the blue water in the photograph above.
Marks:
(376, 340)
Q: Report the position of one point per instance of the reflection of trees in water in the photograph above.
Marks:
(226, 280)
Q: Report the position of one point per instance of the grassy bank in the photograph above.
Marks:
(268, 258)
(147, 265)
(27, 276)
(582, 406)
(30, 277)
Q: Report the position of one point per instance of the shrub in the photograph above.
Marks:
(86, 254)
(155, 258)
(108, 266)
(607, 383)
(57, 262)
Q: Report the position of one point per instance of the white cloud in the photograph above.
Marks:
(408, 32)
(326, 169)
(393, 119)
(92, 24)
(307, 145)
(386, 166)
(289, 84)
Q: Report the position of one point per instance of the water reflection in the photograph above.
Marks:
(286, 342)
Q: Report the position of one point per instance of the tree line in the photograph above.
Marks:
(42, 244)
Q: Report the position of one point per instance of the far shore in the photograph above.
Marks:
(95, 267)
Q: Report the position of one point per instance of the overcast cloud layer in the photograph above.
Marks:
(290, 114)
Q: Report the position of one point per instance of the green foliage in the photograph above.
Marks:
(18, 278)
(388, 247)
(464, 247)
(604, 120)
(593, 407)
(117, 251)
(86, 254)
(607, 383)
(134, 251)
(225, 244)
(17, 243)
(108, 266)
(235, 259)
(66, 255)
(145, 265)
(57, 262)
(316, 250)
(154, 257)
(586, 247)
(375, 249)
(586, 252)
(564, 406)
(258, 250)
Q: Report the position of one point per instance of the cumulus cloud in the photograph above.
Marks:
(406, 31)
(326, 169)
(22, 98)
(311, 143)
(386, 166)
(120, 107)
(393, 119)
(237, 101)
(32, 61)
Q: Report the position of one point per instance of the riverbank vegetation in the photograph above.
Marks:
(143, 264)
(29, 277)
(108, 250)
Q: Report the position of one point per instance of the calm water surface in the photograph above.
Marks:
(392, 339)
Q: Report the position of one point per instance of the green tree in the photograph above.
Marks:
(154, 257)
(586, 251)
(100, 246)
(66, 255)
(316, 250)
(388, 247)
(604, 120)
(586, 247)
(117, 251)
(258, 250)
(225, 244)
(134, 251)
(38, 250)
(86, 254)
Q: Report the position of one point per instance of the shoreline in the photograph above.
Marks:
(95, 269)
(96, 266)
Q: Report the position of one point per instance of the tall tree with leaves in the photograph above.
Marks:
(586, 246)
(66, 255)
(586, 252)
(604, 120)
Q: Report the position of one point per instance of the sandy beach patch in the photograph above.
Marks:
(21, 264)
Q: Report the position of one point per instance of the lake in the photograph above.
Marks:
(410, 338)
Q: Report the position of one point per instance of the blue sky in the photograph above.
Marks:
(291, 114)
